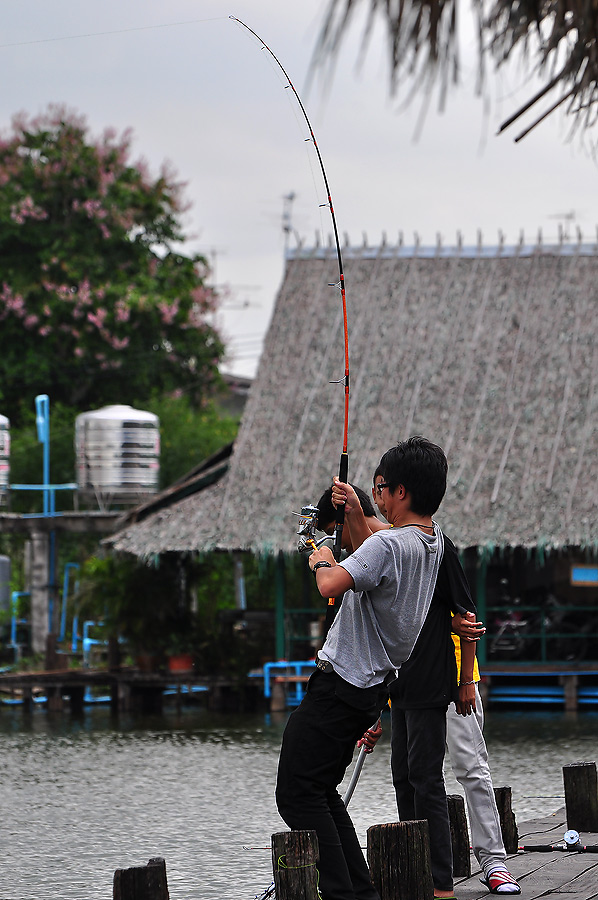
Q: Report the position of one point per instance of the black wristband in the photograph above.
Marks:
(323, 564)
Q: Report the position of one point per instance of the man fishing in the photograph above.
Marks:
(387, 586)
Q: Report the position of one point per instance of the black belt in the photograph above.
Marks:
(326, 666)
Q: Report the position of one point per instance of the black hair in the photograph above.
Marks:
(327, 511)
(377, 473)
(421, 467)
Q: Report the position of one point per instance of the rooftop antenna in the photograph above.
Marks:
(287, 225)
(565, 221)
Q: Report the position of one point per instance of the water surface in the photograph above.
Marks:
(83, 798)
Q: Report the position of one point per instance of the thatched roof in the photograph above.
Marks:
(490, 352)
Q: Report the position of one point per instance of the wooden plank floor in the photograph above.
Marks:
(564, 874)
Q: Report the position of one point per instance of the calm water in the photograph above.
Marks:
(81, 799)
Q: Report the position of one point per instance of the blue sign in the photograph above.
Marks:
(584, 575)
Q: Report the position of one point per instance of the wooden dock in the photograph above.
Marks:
(557, 874)
(127, 690)
(571, 686)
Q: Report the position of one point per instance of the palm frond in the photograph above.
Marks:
(557, 39)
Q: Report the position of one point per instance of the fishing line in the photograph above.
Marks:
(283, 80)
(74, 37)
(344, 457)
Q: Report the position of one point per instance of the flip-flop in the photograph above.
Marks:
(495, 881)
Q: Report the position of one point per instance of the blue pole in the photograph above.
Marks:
(15, 620)
(42, 421)
(75, 635)
(65, 595)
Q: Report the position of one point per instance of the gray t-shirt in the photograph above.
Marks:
(378, 623)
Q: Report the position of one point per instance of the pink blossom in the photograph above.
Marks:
(84, 293)
(168, 311)
(27, 209)
(98, 318)
(122, 313)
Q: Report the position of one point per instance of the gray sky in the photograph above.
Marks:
(198, 91)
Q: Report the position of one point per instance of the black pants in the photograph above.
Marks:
(317, 747)
(418, 742)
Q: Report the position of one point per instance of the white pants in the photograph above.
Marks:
(469, 760)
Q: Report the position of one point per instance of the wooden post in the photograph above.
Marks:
(399, 860)
(278, 696)
(459, 836)
(294, 859)
(508, 825)
(27, 700)
(77, 699)
(113, 654)
(54, 702)
(569, 683)
(51, 661)
(142, 882)
(581, 796)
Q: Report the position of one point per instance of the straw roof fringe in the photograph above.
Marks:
(489, 351)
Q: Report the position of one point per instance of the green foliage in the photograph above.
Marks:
(94, 295)
(190, 605)
(188, 435)
(135, 601)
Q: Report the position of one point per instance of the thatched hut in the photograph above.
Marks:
(490, 351)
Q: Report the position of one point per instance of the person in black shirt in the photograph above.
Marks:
(427, 683)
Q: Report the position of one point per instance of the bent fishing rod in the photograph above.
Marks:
(344, 457)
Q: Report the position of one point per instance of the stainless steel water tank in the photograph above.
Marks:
(4, 458)
(118, 454)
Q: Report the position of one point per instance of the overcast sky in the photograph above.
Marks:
(198, 91)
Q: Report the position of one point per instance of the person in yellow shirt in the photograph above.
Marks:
(469, 762)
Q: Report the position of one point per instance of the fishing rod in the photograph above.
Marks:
(344, 457)
(571, 843)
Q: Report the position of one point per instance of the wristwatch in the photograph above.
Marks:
(322, 564)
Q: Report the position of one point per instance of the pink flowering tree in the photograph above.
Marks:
(97, 303)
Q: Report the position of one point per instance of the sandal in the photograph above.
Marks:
(496, 880)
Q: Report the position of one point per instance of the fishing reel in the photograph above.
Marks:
(308, 523)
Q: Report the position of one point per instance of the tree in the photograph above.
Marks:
(97, 304)
(558, 39)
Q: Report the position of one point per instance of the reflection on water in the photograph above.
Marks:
(82, 798)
